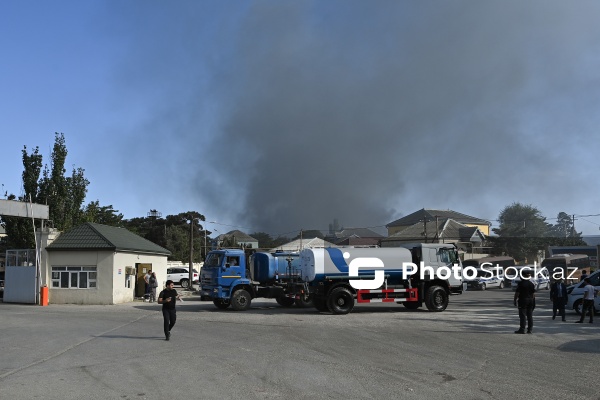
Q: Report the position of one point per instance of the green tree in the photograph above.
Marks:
(105, 215)
(522, 232)
(63, 195)
(564, 227)
(20, 233)
(173, 233)
(265, 241)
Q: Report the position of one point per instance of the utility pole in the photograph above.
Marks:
(191, 270)
(205, 249)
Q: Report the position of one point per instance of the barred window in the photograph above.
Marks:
(74, 277)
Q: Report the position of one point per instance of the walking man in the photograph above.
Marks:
(588, 301)
(167, 298)
(558, 295)
(525, 300)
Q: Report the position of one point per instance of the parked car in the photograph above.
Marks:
(541, 280)
(181, 276)
(493, 262)
(576, 294)
(486, 279)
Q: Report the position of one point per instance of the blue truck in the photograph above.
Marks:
(233, 277)
(325, 278)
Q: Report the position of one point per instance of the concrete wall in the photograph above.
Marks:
(123, 294)
(102, 260)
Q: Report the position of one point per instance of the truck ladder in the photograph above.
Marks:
(386, 295)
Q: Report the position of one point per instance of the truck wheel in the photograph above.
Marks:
(411, 305)
(320, 304)
(340, 301)
(303, 302)
(240, 301)
(285, 301)
(578, 306)
(436, 298)
(185, 283)
(220, 304)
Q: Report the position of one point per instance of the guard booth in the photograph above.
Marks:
(21, 277)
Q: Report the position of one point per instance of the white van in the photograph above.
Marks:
(539, 276)
(576, 294)
(486, 278)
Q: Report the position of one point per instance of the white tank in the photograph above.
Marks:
(315, 264)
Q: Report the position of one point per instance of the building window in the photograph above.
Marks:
(74, 277)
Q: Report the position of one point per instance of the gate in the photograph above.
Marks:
(21, 277)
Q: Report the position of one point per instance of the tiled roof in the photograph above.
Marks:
(91, 236)
(430, 215)
(445, 229)
(298, 244)
(358, 241)
(238, 235)
(357, 232)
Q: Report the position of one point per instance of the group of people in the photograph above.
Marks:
(524, 300)
(151, 285)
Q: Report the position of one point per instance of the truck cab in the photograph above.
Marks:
(225, 279)
(233, 277)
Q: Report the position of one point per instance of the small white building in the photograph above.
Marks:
(98, 264)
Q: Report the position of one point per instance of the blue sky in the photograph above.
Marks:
(283, 115)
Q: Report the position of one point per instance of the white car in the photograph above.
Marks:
(539, 276)
(181, 276)
(486, 279)
(576, 294)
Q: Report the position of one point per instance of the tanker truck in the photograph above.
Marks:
(233, 277)
(338, 277)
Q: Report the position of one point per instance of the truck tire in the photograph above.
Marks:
(578, 306)
(240, 301)
(285, 301)
(411, 305)
(320, 304)
(436, 299)
(219, 303)
(340, 301)
(303, 302)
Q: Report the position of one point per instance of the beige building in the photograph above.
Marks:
(98, 264)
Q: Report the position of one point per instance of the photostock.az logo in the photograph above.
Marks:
(372, 263)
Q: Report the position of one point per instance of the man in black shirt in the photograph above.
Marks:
(558, 295)
(167, 298)
(525, 300)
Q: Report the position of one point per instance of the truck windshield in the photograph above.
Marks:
(213, 260)
(448, 256)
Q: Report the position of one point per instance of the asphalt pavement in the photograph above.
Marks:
(378, 351)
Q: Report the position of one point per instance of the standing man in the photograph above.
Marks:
(147, 285)
(558, 295)
(588, 301)
(525, 300)
(167, 298)
(583, 275)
